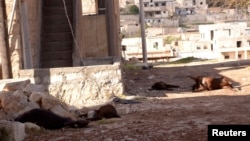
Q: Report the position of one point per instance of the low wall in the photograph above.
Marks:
(79, 86)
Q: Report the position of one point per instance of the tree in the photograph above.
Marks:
(133, 9)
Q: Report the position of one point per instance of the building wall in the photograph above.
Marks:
(79, 87)
(15, 38)
(95, 36)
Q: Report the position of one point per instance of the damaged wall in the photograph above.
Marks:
(79, 86)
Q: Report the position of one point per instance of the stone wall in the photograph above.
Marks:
(79, 86)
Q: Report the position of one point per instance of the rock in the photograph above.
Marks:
(59, 110)
(13, 84)
(12, 131)
(34, 88)
(49, 102)
(36, 97)
(13, 101)
(31, 127)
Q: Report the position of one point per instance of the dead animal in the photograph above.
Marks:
(162, 86)
(210, 83)
(105, 111)
(50, 120)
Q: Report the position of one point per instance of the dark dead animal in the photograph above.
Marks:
(50, 120)
(162, 86)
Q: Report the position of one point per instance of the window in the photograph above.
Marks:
(163, 4)
(198, 48)
(156, 4)
(238, 44)
(201, 3)
(205, 47)
(156, 45)
(239, 56)
(158, 12)
(194, 2)
(226, 57)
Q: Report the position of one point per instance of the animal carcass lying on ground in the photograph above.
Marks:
(105, 111)
(50, 120)
(162, 86)
(210, 83)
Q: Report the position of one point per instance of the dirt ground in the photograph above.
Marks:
(178, 115)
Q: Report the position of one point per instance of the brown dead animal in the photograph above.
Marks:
(162, 86)
(210, 83)
(105, 111)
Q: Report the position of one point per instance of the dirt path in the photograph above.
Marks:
(177, 115)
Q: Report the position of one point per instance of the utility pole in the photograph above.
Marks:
(143, 39)
(4, 52)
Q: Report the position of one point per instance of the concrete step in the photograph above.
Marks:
(56, 28)
(57, 46)
(56, 63)
(57, 37)
(48, 11)
(56, 55)
(56, 20)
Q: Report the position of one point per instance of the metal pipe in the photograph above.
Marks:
(143, 38)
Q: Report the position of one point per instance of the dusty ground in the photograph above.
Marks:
(178, 115)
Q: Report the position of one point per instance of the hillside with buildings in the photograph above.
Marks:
(228, 3)
(185, 28)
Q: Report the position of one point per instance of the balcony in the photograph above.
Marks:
(155, 8)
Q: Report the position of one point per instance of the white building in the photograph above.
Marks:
(220, 41)
(157, 11)
(155, 47)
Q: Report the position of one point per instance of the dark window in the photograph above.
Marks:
(194, 2)
(239, 56)
(158, 12)
(101, 7)
(238, 44)
(226, 57)
(163, 4)
(212, 34)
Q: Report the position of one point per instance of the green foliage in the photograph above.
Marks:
(185, 60)
(133, 9)
(170, 39)
(130, 66)
(105, 121)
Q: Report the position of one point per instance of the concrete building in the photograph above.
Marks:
(57, 43)
(155, 48)
(124, 3)
(130, 26)
(219, 41)
(158, 11)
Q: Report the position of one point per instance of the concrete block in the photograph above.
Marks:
(12, 131)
